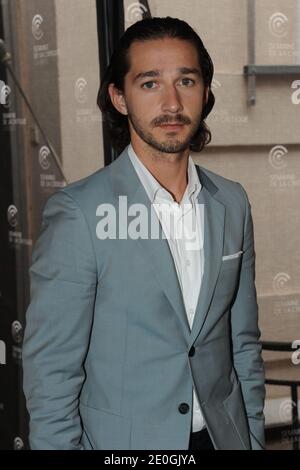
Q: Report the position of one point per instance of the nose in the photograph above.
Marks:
(171, 100)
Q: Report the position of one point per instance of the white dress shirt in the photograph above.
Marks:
(183, 226)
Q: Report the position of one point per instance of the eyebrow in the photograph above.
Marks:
(156, 73)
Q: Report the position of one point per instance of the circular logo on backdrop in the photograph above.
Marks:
(215, 83)
(43, 157)
(18, 443)
(5, 94)
(17, 331)
(280, 282)
(12, 214)
(37, 31)
(276, 157)
(81, 91)
(286, 409)
(135, 12)
(278, 25)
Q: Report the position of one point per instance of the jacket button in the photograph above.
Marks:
(183, 408)
(192, 351)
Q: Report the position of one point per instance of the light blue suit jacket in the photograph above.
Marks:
(109, 358)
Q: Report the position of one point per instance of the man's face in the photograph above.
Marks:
(164, 86)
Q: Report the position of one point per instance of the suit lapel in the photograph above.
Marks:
(214, 217)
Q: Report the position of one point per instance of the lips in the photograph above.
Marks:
(171, 126)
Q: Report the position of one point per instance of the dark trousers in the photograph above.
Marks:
(200, 441)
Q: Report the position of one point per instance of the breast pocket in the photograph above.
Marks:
(231, 262)
(228, 278)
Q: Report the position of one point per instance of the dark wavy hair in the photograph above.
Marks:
(149, 29)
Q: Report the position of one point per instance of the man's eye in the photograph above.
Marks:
(145, 85)
(187, 81)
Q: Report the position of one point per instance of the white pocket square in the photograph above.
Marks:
(234, 255)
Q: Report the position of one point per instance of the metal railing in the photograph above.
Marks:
(292, 383)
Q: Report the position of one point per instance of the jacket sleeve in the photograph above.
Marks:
(63, 277)
(248, 362)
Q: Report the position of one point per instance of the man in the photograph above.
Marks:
(143, 342)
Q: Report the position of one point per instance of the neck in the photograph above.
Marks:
(169, 169)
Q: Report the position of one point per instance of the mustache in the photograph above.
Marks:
(168, 120)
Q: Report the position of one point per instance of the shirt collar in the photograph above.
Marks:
(154, 188)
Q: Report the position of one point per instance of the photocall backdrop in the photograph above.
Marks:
(255, 127)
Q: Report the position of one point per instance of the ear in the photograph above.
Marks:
(117, 99)
(205, 95)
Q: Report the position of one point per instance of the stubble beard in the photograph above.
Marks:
(172, 145)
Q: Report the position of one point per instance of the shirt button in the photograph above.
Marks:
(188, 263)
(191, 311)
